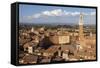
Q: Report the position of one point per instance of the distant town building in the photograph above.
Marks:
(30, 49)
(32, 29)
(51, 51)
(65, 55)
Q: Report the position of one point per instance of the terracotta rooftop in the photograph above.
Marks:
(52, 49)
(30, 58)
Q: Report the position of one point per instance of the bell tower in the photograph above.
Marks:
(81, 36)
(81, 33)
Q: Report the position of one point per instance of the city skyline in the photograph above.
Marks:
(54, 14)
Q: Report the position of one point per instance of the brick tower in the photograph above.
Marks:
(81, 34)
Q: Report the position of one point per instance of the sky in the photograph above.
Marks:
(55, 14)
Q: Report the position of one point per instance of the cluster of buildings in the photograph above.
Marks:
(41, 45)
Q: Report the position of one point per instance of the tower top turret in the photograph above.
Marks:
(81, 19)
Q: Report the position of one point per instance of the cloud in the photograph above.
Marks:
(57, 12)
(93, 13)
(33, 16)
(72, 13)
(37, 15)
(75, 13)
(47, 13)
